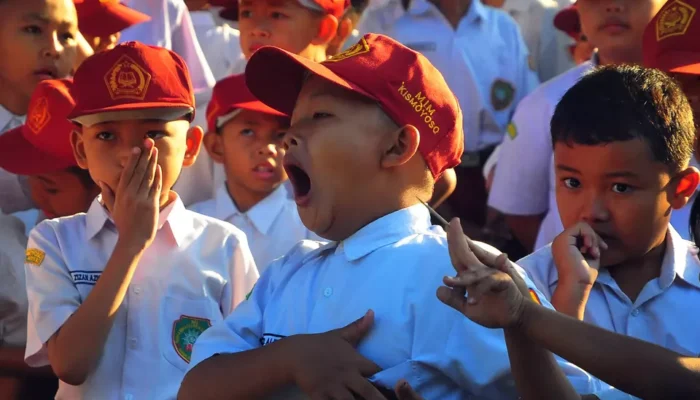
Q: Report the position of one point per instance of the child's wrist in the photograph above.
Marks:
(129, 246)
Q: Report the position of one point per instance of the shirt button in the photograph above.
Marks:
(133, 342)
(137, 290)
(328, 292)
(635, 312)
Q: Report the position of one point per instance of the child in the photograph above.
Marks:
(523, 184)
(40, 48)
(346, 27)
(638, 126)
(247, 137)
(499, 298)
(371, 130)
(101, 22)
(117, 296)
(567, 21)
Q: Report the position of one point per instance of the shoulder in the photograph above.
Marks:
(301, 254)
(212, 227)
(539, 263)
(203, 207)
(64, 227)
(553, 90)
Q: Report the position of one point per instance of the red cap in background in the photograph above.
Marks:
(672, 38)
(567, 20)
(102, 18)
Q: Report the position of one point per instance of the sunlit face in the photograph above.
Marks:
(37, 41)
(61, 193)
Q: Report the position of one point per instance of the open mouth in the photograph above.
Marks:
(46, 73)
(301, 182)
(264, 171)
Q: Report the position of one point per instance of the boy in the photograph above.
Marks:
(247, 137)
(640, 130)
(125, 289)
(568, 21)
(40, 37)
(371, 130)
(346, 27)
(101, 22)
(523, 185)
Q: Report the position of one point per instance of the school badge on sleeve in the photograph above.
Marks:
(502, 94)
(127, 80)
(512, 130)
(535, 297)
(186, 330)
(34, 257)
(674, 20)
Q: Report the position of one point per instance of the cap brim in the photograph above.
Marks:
(276, 76)
(20, 157)
(111, 20)
(235, 109)
(157, 111)
(683, 62)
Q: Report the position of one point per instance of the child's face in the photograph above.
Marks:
(333, 152)
(617, 25)
(691, 87)
(104, 148)
(252, 148)
(282, 23)
(619, 190)
(60, 194)
(103, 43)
(37, 38)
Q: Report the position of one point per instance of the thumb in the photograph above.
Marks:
(357, 330)
(107, 196)
(404, 391)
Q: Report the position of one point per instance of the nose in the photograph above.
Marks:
(260, 30)
(291, 139)
(53, 47)
(615, 6)
(269, 149)
(596, 210)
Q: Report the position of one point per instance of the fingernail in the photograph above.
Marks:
(471, 300)
(136, 150)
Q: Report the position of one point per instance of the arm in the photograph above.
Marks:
(444, 188)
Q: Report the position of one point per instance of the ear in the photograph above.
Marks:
(76, 142)
(213, 142)
(401, 146)
(194, 144)
(684, 189)
(327, 29)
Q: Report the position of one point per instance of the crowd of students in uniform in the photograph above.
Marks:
(235, 199)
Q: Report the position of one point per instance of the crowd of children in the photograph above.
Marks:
(205, 199)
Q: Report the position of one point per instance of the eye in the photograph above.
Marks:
(621, 188)
(105, 136)
(572, 183)
(67, 36)
(245, 13)
(280, 135)
(247, 132)
(277, 15)
(52, 191)
(321, 115)
(155, 134)
(33, 29)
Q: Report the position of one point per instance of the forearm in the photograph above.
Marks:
(631, 365)
(12, 363)
(570, 299)
(77, 347)
(546, 380)
(251, 374)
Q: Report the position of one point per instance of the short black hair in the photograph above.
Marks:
(624, 102)
(83, 175)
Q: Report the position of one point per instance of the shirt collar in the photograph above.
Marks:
(6, 117)
(262, 215)
(384, 231)
(178, 221)
(476, 13)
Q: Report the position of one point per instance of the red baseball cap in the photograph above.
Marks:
(132, 81)
(106, 17)
(409, 89)
(333, 7)
(567, 20)
(231, 94)
(42, 144)
(672, 38)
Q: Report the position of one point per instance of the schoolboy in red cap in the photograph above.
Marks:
(246, 136)
(371, 130)
(568, 21)
(117, 296)
(101, 21)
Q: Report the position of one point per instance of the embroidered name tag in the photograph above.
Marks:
(85, 277)
(270, 338)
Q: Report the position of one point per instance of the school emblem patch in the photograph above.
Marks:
(39, 115)
(358, 48)
(534, 297)
(674, 20)
(127, 80)
(512, 130)
(186, 330)
(34, 257)
(502, 94)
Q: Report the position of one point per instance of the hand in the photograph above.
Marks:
(327, 366)
(135, 205)
(576, 253)
(404, 391)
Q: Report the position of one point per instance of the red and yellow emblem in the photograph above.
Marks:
(534, 297)
(39, 115)
(186, 330)
(127, 80)
(358, 48)
(674, 20)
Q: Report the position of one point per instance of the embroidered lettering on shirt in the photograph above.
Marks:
(422, 46)
(34, 257)
(85, 277)
(421, 106)
(270, 338)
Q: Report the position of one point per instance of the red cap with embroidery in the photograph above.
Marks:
(672, 38)
(42, 144)
(132, 81)
(106, 17)
(410, 90)
(231, 94)
(568, 21)
(333, 7)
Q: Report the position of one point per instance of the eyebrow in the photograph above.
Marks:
(567, 169)
(35, 16)
(617, 174)
(46, 180)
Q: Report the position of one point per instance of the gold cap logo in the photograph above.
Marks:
(358, 48)
(674, 20)
(127, 80)
(39, 115)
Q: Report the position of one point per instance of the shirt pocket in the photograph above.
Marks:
(182, 320)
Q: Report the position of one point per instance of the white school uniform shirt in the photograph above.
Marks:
(484, 61)
(665, 311)
(14, 190)
(193, 274)
(523, 182)
(548, 45)
(393, 266)
(221, 44)
(272, 226)
(13, 293)
(380, 16)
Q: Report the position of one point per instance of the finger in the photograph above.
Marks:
(467, 278)
(502, 263)
(355, 331)
(157, 184)
(460, 254)
(452, 298)
(491, 283)
(363, 388)
(453, 231)
(150, 174)
(107, 196)
(128, 171)
(404, 391)
(140, 169)
(334, 393)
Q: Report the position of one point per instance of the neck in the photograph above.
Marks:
(453, 10)
(166, 198)
(632, 275)
(12, 101)
(242, 197)
(620, 57)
